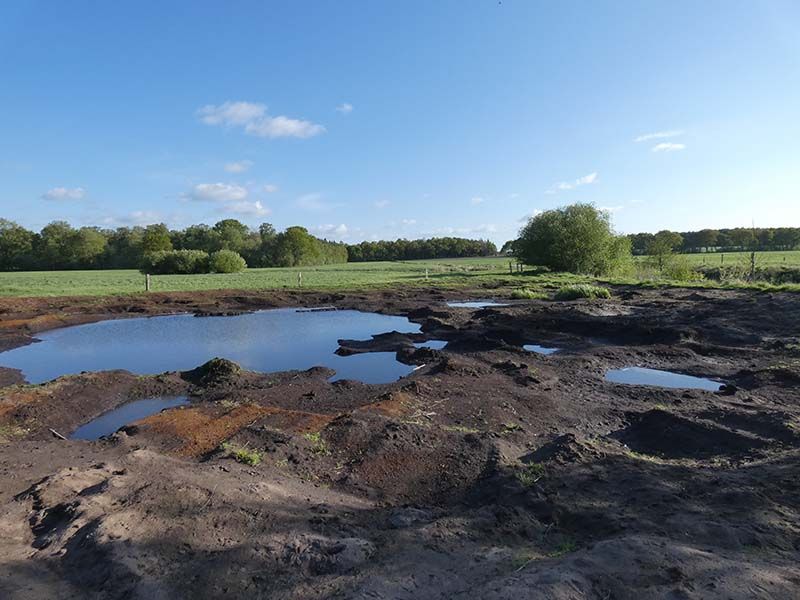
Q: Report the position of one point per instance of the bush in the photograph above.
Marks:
(582, 290)
(523, 294)
(165, 262)
(576, 238)
(226, 261)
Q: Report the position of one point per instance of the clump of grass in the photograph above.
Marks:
(510, 428)
(228, 403)
(318, 444)
(526, 294)
(563, 548)
(460, 429)
(582, 290)
(243, 455)
(530, 474)
(10, 432)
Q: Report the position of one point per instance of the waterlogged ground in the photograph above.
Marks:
(489, 471)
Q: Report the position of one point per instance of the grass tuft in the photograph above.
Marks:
(530, 474)
(526, 294)
(582, 290)
(318, 444)
(242, 454)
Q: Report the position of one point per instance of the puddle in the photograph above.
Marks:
(266, 341)
(109, 422)
(475, 304)
(432, 344)
(540, 349)
(667, 379)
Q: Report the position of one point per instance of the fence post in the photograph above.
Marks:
(299, 280)
(426, 274)
(147, 282)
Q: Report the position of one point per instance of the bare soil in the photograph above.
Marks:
(489, 472)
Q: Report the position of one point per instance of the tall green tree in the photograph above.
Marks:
(156, 238)
(16, 246)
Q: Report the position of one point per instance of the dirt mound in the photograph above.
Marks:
(562, 450)
(667, 435)
(216, 372)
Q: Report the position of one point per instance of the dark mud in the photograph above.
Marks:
(489, 472)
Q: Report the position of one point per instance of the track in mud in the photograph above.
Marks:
(489, 472)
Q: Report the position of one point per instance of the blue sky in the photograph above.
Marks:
(375, 120)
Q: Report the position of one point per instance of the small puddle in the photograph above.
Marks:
(475, 304)
(540, 349)
(432, 344)
(267, 341)
(666, 379)
(109, 422)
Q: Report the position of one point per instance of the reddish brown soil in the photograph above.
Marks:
(490, 472)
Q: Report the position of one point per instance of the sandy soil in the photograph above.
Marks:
(490, 472)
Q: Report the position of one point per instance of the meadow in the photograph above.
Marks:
(441, 272)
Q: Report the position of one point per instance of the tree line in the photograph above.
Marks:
(717, 240)
(444, 247)
(59, 246)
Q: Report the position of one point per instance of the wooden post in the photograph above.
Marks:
(147, 282)
(426, 274)
(299, 280)
(511, 267)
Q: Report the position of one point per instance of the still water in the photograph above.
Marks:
(267, 341)
(666, 379)
(109, 422)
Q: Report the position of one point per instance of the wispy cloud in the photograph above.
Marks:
(254, 120)
(238, 166)
(313, 202)
(658, 135)
(536, 212)
(668, 147)
(246, 208)
(406, 222)
(611, 209)
(331, 229)
(475, 200)
(137, 217)
(345, 108)
(63, 193)
(571, 185)
(216, 192)
(381, 203)
(270, 188)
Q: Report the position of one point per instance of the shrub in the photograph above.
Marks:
(524, 294)
(582, 290)
(242, 455)
(165, 262)
(226, 261)
(576, 238)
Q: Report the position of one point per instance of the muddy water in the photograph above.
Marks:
(267, 341)
(654, 377)
(109, 422)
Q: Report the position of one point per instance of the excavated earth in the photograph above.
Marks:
(489, 472)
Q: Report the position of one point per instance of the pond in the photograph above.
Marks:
(432, 344)
(540, 349)
(267, 341)
(108, 423)
(475, 304)
(666, 379)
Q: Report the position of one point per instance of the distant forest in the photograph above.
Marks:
(59, 246)
(722, 240)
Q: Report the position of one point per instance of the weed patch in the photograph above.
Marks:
(242, 454)
(582, 290)
(530, 474)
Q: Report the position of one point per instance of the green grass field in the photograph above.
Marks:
(353, 275)
(445, 272)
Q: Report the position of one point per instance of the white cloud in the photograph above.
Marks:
(270, 188)
(254, 209)
(216, 192)
(667, 147)
(611, 209)
(536, 212)
(345, 108)
(239, 166)
(381, 203)
(571, 185)
(62, 193)
(137, 217)
(475, 200)
(408, 222)
(254, 119)
(658, 135)
(338, 230)
(461, 231)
